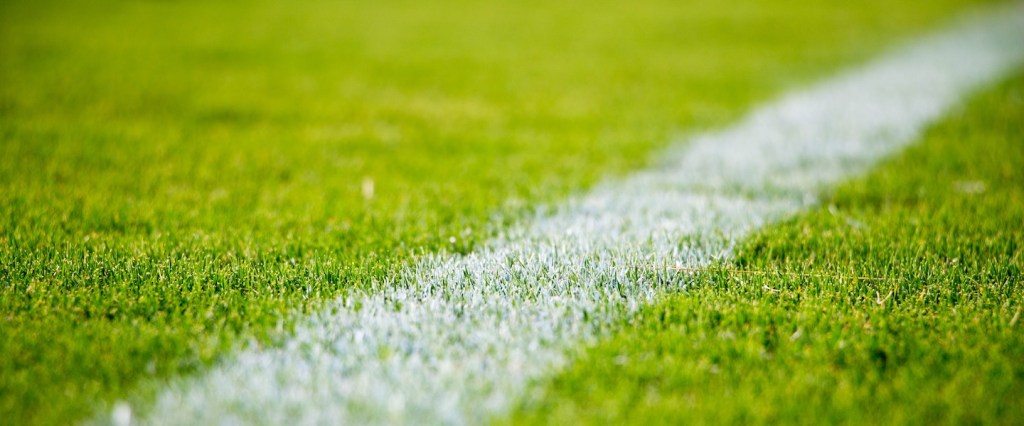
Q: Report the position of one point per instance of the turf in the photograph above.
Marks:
(899, 301)
(177, 178)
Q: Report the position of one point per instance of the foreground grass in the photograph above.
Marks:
(177, 177)
(936, 340)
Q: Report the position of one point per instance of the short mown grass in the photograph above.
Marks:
(177, 178)
(899, 300)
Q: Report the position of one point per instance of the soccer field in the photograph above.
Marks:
(187, 186)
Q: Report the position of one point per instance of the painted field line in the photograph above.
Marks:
(458, 339)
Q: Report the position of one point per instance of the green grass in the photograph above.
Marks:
(177, 178)
(938, 340)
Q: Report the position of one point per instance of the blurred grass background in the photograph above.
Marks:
(179, 177)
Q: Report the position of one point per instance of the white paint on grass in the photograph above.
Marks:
(458, 339)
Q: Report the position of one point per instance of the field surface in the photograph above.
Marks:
(182, 179)
(897, 301)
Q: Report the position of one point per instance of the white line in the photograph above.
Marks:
(459, 339)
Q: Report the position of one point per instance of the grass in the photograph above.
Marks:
(177, 178)
(936, 340)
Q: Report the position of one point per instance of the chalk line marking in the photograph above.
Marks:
(457, 339)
